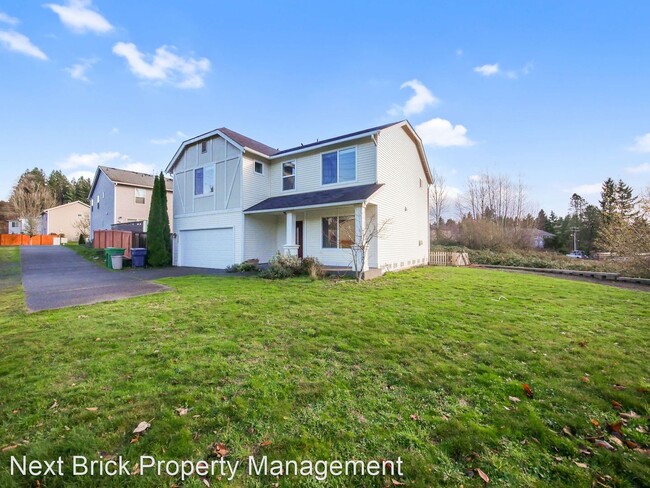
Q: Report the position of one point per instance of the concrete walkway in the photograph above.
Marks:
(56, 277)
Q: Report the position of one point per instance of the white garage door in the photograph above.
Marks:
(208, 248)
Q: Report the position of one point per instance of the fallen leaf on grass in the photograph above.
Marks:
(514, 399)
(631, 444)
(206, 482)
(616, 441)
(615, 427)
(581, 465)
(15, 411)
(182, 411)
(616, 386)
(605, 445)
(142, 427)
(567, 430)
(616, 405)
(559, 459)
(266, 443)
(483, 476)
(629, 415)
(585, 452)
(594, 422)
(582, 344)
(584, 379)
(415, 417)
(396, 483)
(54, 405)
(9, 447)
(220, 449)
(135, 439)
(528, 390)
(135, 469)
(643, 451)
(91, 409)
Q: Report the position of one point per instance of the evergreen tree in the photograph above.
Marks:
(542, 220)
(625, 201)
(608, 200)
(60, 187)
(157, 249)
(164, 214)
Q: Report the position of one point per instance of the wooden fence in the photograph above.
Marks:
(25, 240)
(113, 238)
(442, 258)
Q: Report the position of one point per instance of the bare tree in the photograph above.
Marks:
(439, 197)
(29, 198)
(362, 240)
(82, 224)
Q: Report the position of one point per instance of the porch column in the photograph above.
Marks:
(359, 231)
(290, 247)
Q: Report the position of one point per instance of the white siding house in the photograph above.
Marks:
(237, 199)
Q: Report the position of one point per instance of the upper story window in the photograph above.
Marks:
(289, 175)
(339, 166)
(259, 168)
(204, 180)
(204, 147)
(140, 195)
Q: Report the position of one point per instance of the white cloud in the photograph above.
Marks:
(641, 143)
(86, 163)
(421, 99)
(165, 66)
(78, 174)
(442, 133)
(78, 16)
(78, 71)
(19, 43)
(115, 130)
(7, 19)
(487, 69)
(170, 140)
(641, 168)
(588, 189)
(459, 53)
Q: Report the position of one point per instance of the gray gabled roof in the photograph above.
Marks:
(335, 196)
(126, 177)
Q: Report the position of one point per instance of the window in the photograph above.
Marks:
(338, 232)
(204, 147)
(259, 168)
(140, 195)
(204, 180)
(339, 166)
(289, 176)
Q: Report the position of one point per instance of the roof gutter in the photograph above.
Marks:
(305, 207)
(311, 147)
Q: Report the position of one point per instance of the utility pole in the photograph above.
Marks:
(575, 237)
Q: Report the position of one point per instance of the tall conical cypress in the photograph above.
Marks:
(166, 230)
(157, 249)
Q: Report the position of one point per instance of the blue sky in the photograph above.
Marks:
(554, 92)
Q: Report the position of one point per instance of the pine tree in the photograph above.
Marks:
(608, 200)
(542, 220)
(625, 201)
(165, 215)
(157, 249)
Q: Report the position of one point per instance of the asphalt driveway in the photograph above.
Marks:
(57, 277)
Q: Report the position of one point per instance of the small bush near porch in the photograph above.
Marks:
(426, 364)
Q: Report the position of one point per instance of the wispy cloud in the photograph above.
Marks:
(170, 140)
(17, 42)
(421, 99)
(80, 17)
(487, 69)
(459, 53)
(78, 70)
(587, 189)
(115, 130)
(7, 19)
(641, 168)
(442, 133)
(641, 144)
(84, 163)
(165, 66)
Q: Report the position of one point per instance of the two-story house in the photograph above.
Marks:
(237, 199)
(119, 196)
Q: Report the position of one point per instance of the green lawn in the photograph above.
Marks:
(418, 364)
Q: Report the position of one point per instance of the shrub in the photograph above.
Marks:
(82, 239)
(313, 268)
(282, 266)
(246, 266)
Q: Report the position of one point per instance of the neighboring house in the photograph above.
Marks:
(119, 196)
(537, 237)
(64, 219)
(237, 199)
(16, 226)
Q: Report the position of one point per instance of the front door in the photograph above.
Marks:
(299, 237)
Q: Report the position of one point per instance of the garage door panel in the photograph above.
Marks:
(207, 248)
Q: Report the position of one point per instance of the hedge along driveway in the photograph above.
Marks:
(57, 277)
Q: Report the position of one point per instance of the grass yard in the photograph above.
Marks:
(419, 364)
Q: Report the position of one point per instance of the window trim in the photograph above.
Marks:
(204, 147)
(282, 177)
(255, 163)
(338, 230)
(135, 196)
(214, 181)
(338, 172)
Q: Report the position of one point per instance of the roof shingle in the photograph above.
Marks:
(133, 177)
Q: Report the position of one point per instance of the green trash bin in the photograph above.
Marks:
(112, 251)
